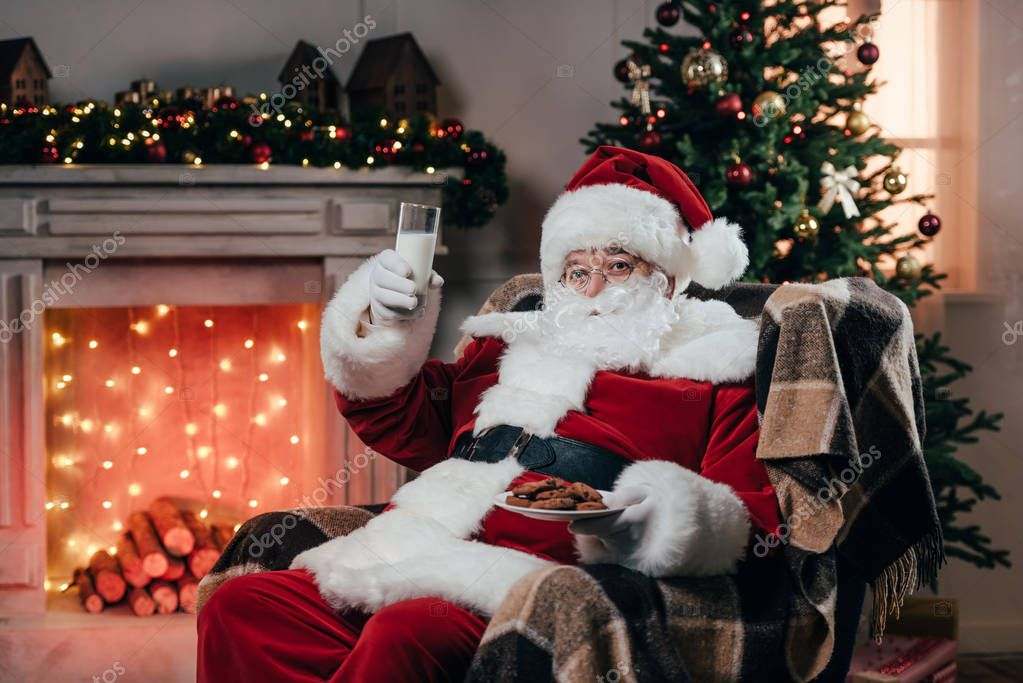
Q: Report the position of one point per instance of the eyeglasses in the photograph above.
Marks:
(615, 272)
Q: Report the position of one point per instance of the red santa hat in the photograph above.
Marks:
(648, 207)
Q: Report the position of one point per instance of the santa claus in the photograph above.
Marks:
(621, 381)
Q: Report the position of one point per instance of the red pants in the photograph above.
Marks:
(275, 626)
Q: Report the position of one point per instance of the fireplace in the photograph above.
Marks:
(160, 337)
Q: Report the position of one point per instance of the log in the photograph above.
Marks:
(175, 569)
(188, 592)
(131, 564)
(106, 576)
(91, 600)
(154, 559)
(171, 529)
(222, 535)
(206, 552)
(142, 604)
(165, 595)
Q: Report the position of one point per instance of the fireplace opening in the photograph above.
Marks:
(219, 407)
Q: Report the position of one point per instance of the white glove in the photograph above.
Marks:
(392, 292)
(623, 531)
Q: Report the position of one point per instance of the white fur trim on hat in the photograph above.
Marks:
(645, 224)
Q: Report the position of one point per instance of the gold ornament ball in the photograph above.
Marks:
(908, 268)
(703, 68)
(894, 181)
(806, 226)
(769, 104)
(857, 122)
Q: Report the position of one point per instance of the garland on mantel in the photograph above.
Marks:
(231, 133)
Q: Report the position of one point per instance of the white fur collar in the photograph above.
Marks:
(535, 389)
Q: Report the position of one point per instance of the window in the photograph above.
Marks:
(420, 88)
(399, 89)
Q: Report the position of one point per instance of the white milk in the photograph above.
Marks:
(417, 248)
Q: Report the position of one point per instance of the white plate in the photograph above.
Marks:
(555, 515)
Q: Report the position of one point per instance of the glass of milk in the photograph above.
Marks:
(417, 239)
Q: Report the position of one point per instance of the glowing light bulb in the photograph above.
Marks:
(281, 402)
(86, 426)
(107, 505)
(109, 383)
(162, 309)
(204, 452)
(109, 429)
(117, 526)
(263, 377)
(66, 378)
(168, 389)
(208, 322)
(237, 527)
(216, 493)
(260, 419)
(134, 489)
(232, 462)
(50, 505)
(58, 339)
(61, 385)
(93, 344)
(302, 324)
(67, 419)
(63, 587)
(280, 357)
(136, 370)
(90, 550)
(284, 481)
(71, 543)
(249, 343)
(112, 550)
(141, 327)
(225, 364)
(203, 514)
(144, 411)
(47, 585)
(173, 353)
(191, 429)
(253, 503)
(294, 439)
(184, 474)
(108, 464)
(220, 410)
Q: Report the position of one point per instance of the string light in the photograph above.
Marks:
(184, 474)
(220, 410)
(66, 378)
(204, 452)
(294, 439)
(191, 429)
(260, 419)
(168, 389)
(162, 310)
(93, 344)
(134, 489)
(203, 514)
(281, 402)
(109, 383)
(232, 462)
(225, 364)
(136, 370)
(117, 526)
(284, 481)
(107, 505)
(216, 493)
(141, 327)
(58, 339)
(253, 503)
(249, 343)
(208, 323)
(108, 464)
(263, 377)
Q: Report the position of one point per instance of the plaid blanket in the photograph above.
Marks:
(841, 428)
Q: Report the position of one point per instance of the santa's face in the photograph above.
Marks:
(610, 306)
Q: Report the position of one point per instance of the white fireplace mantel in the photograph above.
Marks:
(215, 235)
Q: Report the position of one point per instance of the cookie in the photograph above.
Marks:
(590, 505)
(553, 493)
(553, 504)
(583, 492)
(530, 489)
(518, 502)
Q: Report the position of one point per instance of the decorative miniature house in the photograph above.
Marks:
(394, 74)
(24, 76)
(311, 75)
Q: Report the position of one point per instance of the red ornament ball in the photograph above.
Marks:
(728, 105)
(929, 225)
(476, 157)
(155, 151)
(452, 128)
(649, 141)
(260, 153)
(868, 53)
(343, 132)
(307, 135)
(49, 154)
(622, 70)
(739, 174)
(668, 14)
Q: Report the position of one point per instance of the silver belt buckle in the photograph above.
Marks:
(520, 441)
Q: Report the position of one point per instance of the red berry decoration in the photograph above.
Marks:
(929, 225)
(385, 149)
(260, 153)
(306, 136)
(155, 151)
(49, 154)
(668, 14)
(728, 105)
(649, 141)
(170, 117)
(451, 128)
(739, 174)
(622, 70)
(476, 157)
(226, 103)
(868, 53)
(741, 37)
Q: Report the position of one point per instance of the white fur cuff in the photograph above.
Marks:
(697, 527)
(388, 357)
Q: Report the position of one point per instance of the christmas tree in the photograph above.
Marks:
(763, 111)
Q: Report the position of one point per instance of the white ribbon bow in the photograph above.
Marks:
(840, 184)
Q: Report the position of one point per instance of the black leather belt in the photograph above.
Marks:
(554, 455)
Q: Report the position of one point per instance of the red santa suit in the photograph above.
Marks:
(684, 419)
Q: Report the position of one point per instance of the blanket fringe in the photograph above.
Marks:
(919, 565)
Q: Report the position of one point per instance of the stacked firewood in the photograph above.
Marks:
(159, 561)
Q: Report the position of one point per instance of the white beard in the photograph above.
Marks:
(620, 328)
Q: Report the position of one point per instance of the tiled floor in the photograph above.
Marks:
(991, 669)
